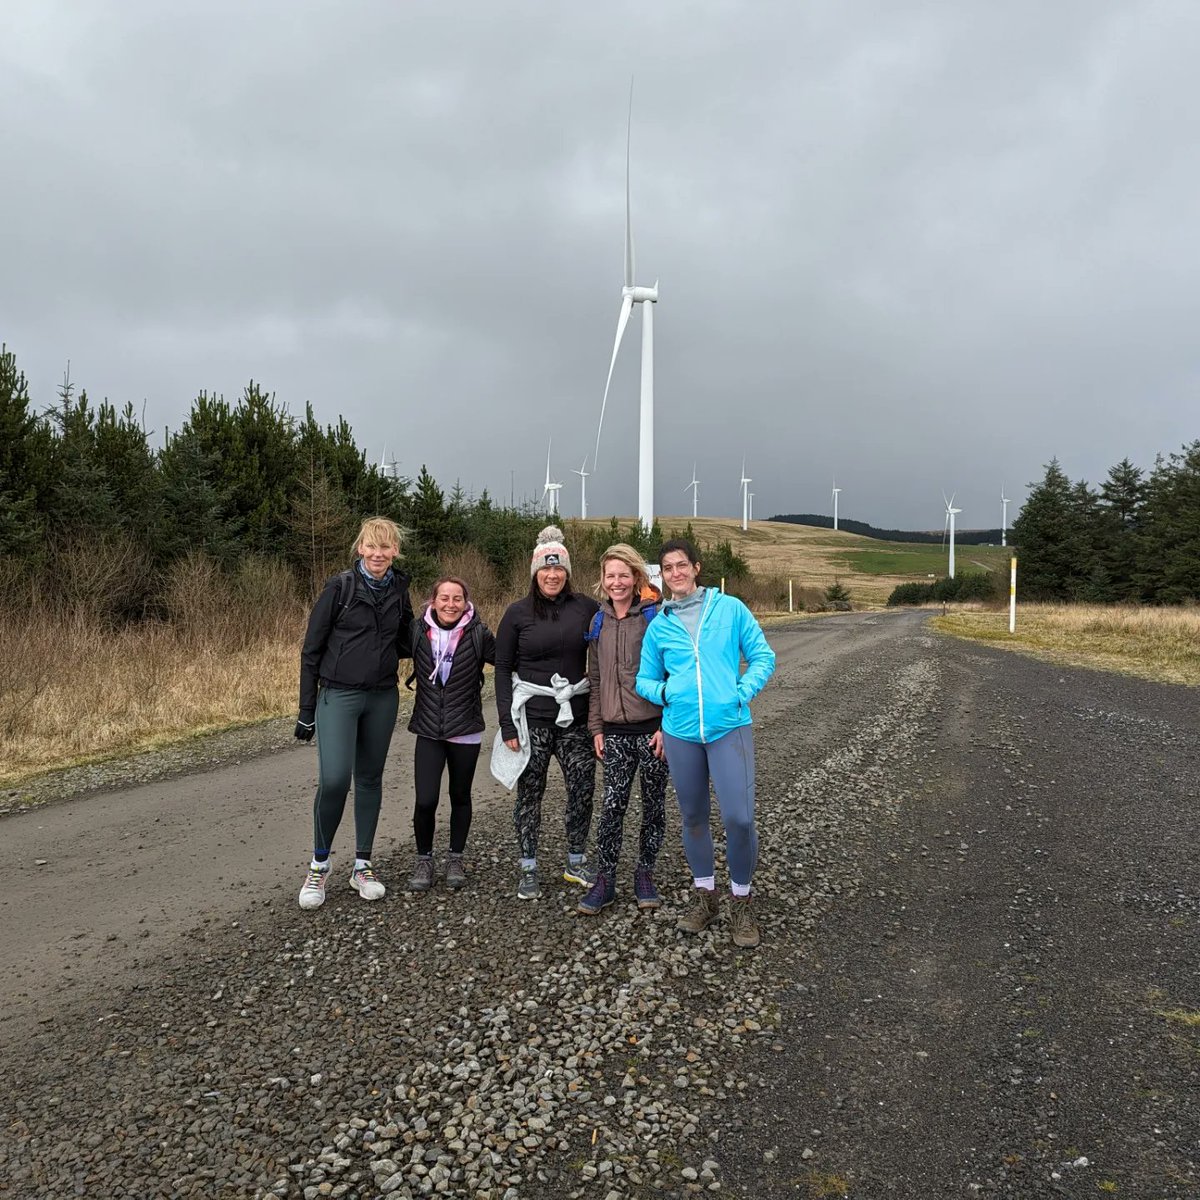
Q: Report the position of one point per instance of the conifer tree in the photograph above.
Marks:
(24, 464)
(1169, 540)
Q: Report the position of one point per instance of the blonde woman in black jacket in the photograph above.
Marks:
(450, 645)
(358, 631)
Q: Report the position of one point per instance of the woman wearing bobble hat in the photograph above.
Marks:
(541, 695)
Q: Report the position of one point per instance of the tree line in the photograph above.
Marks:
(237, 483)
(91, 513)
(1136, 538)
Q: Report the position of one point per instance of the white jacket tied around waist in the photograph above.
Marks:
(507, 764)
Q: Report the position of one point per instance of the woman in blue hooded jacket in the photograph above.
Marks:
(691, 666)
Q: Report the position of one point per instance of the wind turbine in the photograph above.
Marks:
(744, 482)
(951, 513)
(551, 490)
(583, 474)
(836, 490)
(631, 294)
(695, 486)
(1003, 517)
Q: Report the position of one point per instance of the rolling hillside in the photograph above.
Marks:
(813, 557)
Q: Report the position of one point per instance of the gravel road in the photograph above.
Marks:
(980, 897)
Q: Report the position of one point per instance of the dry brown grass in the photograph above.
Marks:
(1162, 644)
(79, 687)
(75, 689)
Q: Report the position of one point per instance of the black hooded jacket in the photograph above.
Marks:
(454, 708)
(360, 647)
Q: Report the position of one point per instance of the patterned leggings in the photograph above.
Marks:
(627, 755)
(573, 749)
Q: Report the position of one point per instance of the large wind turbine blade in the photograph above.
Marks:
(952, 495)
(628, 217)
(622, 321)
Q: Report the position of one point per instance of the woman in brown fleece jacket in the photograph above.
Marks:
(626, 729)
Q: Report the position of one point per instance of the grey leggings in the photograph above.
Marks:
(729, 763)
(354, 731)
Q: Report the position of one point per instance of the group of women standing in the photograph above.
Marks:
(651, 689)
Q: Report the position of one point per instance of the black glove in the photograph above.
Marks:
(306, 726)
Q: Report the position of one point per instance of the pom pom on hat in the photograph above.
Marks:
(550, 551)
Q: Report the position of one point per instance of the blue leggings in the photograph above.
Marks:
(729, 763)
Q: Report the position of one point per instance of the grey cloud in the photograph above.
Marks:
(919, 246)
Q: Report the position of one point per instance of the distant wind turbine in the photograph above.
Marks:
(836, 491)
(551, 490)
(951, 513)
(1003, 517)
(583, 474)
(745, 482)
(695, 486)
(631, 294)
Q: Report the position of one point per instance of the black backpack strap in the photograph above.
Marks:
(417, 632)
(345, 592)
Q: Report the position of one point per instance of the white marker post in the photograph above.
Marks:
(789, 595)
(1012, 596)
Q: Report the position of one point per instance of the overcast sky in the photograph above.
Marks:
(921, 246)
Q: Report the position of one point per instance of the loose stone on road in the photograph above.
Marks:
(979, 896)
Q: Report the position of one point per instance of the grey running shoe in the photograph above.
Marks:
(366, 883)
(422, 876)
(529, 888)
(456, 871)
(706, 908)
(579, 872)
(742, 922)
(312, 894)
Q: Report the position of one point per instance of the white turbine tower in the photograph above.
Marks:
(583, 474)
(750, 507)
(836, 490)
(631, 294)
(1003, 517)
(551, 490)
(745, 482)
(695, 487)
(951, 513)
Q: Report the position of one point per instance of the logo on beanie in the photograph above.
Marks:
(552, 560)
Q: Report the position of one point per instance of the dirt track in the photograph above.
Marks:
(981, 897)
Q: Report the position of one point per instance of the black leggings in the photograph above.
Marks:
(430, 758)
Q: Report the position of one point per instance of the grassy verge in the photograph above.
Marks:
(1152, 643)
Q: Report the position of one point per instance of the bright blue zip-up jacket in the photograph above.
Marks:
(697, 682)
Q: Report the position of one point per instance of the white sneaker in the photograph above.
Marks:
(312, 894)
(366, 883)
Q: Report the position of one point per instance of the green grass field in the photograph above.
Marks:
(920, 560)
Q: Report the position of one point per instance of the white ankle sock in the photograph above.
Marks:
(708, 883)
(740, 889)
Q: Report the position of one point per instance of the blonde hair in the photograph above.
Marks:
(625, 553)
(379, 531)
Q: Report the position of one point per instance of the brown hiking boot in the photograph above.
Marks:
(742, 922)
(706, 908)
